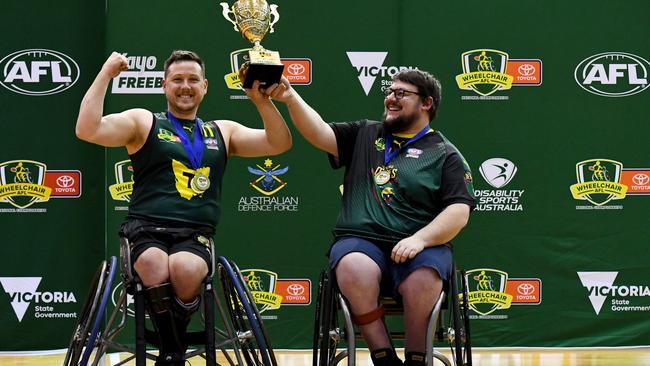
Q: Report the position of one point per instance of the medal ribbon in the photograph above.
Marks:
(195, 150)
(388, 155)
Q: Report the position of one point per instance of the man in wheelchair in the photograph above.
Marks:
(407, 193)
(178, 165)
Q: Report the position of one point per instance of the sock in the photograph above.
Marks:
(415, 359)
(385, 357)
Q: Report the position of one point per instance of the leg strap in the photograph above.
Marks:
(368, 317)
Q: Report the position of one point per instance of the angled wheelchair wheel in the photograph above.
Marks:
(327, 333)
(246, 320)
(83, 336)
(461, 344)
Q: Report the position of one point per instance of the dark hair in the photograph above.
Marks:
(427, 84)
(183, 55)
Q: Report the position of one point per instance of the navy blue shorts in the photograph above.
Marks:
(438, 258)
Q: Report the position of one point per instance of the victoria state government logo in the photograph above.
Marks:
(599, 181)
(22, 183)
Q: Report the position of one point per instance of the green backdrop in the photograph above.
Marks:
(553, 96)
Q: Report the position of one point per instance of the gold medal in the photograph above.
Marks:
(200, 183)
(382, 176)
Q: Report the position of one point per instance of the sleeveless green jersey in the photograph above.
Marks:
(162, 173)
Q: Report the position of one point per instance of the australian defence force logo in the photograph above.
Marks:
(267, 181)
(599, 181)
(22, 183)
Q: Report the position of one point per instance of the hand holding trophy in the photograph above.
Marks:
(253, 21)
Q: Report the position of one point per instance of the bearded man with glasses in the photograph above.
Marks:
(407, 193)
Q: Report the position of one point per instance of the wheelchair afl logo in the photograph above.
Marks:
(599, 181)
(487, 290)
(262, 285)
(123, 187)
(22, 183)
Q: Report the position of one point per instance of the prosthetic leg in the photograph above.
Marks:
(170, 318)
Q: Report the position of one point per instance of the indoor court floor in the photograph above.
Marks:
(482, 357)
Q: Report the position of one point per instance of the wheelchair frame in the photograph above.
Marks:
(333, 325)
(244, 334)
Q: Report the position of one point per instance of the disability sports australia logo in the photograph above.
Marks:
(599, 181)
(370, 65)
(498, 172)
(22, 183)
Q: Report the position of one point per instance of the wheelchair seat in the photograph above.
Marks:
(244, 340)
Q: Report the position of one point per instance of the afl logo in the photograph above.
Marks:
(38, 72)
(613, 74)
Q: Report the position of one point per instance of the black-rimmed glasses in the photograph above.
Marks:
(399, 93)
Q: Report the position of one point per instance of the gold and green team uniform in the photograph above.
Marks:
(386, 202)
(162, 173)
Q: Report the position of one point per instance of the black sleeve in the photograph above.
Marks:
(346, 136)
(456, 185)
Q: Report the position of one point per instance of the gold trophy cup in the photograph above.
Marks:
(252, 18)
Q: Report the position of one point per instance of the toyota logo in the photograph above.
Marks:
(296, 69)
(525, 289)
(526, 69)
(295, 289)
(65, 181)
(640, 179)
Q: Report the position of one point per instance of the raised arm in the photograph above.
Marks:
(128, 128)
(305, 118)
(274, 139)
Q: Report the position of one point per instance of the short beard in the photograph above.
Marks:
(398, 124)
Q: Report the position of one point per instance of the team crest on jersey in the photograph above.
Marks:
(413, 153)
(209, 136)
(123, 187)
(167, 136)
(267, 181)
(22, 183)
(380, 144)
(262, 285)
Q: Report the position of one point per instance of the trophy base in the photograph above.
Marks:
(267, 74)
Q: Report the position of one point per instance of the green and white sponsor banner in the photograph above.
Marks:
(546, 100)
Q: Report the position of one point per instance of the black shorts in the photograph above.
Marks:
(144, 234)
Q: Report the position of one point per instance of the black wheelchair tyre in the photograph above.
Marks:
(461, 346)
(80, 333)
(325, 346)
(244, 316)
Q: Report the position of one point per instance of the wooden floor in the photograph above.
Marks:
(482, 357)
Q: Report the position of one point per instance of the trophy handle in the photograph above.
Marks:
(276, 16)
(226, 14)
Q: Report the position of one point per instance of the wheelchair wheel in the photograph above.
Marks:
(327, 333)
(461, 350)
(244, 316)
(79, 340)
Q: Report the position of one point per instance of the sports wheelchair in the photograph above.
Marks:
(335, 335)
(242, 341)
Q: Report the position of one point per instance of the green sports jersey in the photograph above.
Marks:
(162, 173)
(389, 202)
